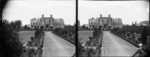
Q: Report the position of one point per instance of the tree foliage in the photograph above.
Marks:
(38, 31)
(15, 25)
(134, 34)
(11, 45)
(144, 35)
(68, 32)
(25, 27)
(79, 48)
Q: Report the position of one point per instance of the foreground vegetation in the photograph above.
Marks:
(34, 47)
(84, 35)
(67, 33)
(11, 45)
(25, 36)
(135, 35)
(93, 46)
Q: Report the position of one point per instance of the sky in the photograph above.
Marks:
(128, 11)
(25, 10)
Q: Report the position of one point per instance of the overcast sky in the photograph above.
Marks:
(127, 10)
(26, 9)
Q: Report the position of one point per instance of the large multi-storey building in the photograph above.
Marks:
(59, 23)
(93, 22)
(105, 21)
(47, 22)
(116, 22)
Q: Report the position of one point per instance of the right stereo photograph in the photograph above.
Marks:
(113, 28)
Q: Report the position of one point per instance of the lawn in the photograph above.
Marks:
(25, 35)
(84, 35)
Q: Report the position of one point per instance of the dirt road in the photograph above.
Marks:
(115, 46)
(55, 46)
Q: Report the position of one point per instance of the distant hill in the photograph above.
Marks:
(143, 23)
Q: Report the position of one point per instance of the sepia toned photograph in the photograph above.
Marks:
(113, 28)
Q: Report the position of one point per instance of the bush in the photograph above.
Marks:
(144, 35)
(68, 33)
(38, 32)
(132, 33)
(11, 46)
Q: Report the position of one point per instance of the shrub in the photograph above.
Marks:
(11, 46)
(144, 35)
(68, 33)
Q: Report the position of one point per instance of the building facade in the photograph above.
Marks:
(47, 22)
(105, 21)
(93, 22)
(117, 22)
(59, 23)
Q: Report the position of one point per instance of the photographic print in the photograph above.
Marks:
(113, 28)
(75, 28)
(39, 28)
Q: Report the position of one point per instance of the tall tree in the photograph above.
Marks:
(83, 26)
(15, 25)
(135, 23)
(144, 35)
(25, 27)
(11, 46)
(1, 52)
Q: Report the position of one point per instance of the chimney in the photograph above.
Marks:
(42, 15)
(109, 15)
(51, 15)
(100, 15)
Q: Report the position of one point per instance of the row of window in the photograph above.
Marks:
(36, 23)
(40, 26)
(35, 26)
(96, 24)
(117, 23)
(93, 23)
(58, 23)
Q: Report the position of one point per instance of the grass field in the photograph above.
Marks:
(84, 35)
(25, 35)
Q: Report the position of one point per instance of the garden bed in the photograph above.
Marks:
(72, 42)
(128, 40)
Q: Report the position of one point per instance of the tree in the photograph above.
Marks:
(79, 48)
(1, 52)
(32, 38)
(135, 23)
(144, 35)
(15, 25)
(99, 27)
(42, 27)
(46, 25)
(83, 26)
(11, 46)
(31, 52)
(25, 27)
(90, 52)
(90, 38)
(105, 25)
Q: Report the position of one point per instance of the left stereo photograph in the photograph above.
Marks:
(39, 28)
